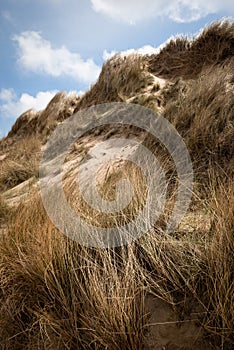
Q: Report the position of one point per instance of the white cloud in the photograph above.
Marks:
(74, 93)
(37, 55)
(12, 107)
(132, 11)
(107, 55)
(7, 94)
(145, 50)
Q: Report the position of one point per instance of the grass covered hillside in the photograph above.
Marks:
(166, 290)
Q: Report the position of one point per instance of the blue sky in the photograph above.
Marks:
(53, 45)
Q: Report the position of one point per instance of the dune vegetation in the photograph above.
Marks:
(165, 290)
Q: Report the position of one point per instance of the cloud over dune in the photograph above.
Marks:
(35, 54)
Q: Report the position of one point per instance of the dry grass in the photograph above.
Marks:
(21, 162)
(120, 78)
(182, 58)
(202, 112)
(197, 269)
(13, 173)
(4, 211)
(41, 124)
(57, 294)
(219, 264)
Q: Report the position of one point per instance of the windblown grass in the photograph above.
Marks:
(202, 112)
(120, 78)
(219, 261)
(21, 162)
(4, 210)
(58, 294)
(182, 58)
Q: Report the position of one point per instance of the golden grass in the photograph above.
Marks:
(219, 262)
(202, 112)
(4, 210)
(120, 78)
(183, 58)
(58, 294)
(21, 162)
(54, 291)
